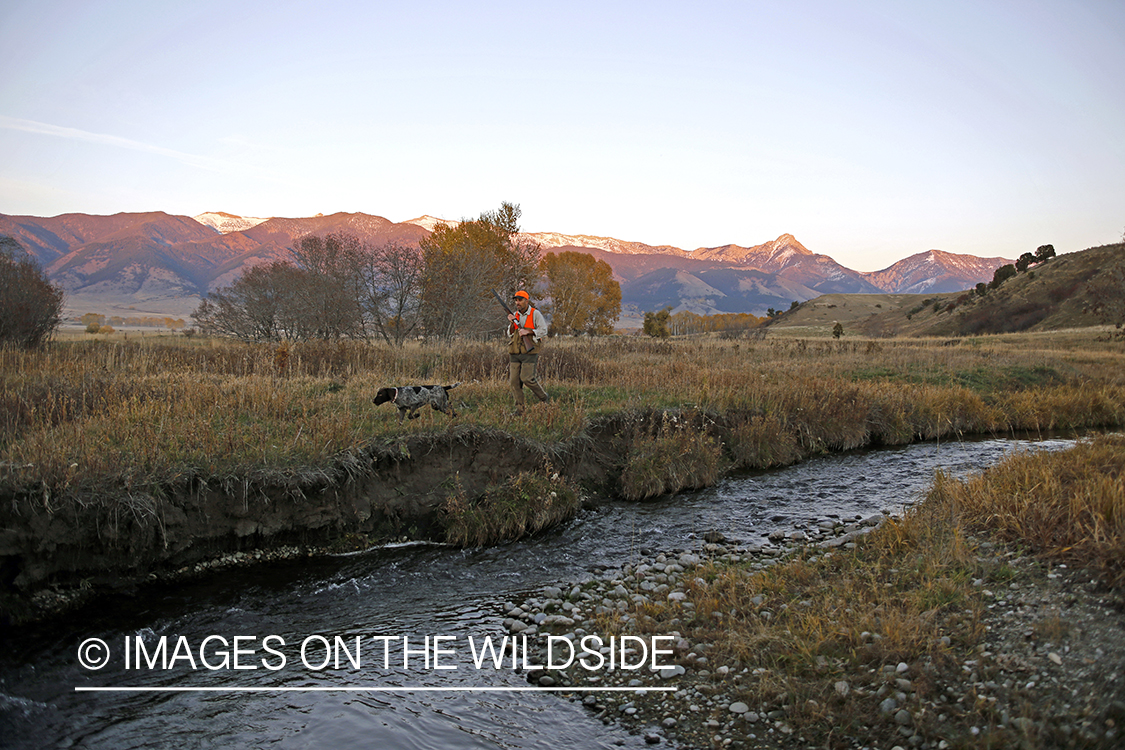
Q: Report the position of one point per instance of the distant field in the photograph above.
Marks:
(817, 317)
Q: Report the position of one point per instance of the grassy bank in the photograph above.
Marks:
(85, 419)
(971, 621)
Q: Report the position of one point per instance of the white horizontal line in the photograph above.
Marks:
(361, 689)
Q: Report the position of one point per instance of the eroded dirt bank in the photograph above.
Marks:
(79, 546)
(384, 493)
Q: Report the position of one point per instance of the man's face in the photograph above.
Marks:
(522, 304)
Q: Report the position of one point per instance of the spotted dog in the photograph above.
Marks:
(410, 398)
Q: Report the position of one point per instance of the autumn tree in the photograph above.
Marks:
(253, 308)
(686, 322)
(585, 298)
(464, 263)
(30, 305)
(656, 323)
(390, 291)
(328, 299)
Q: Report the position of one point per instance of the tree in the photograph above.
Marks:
(585, 298)
(333, 290)
(30, 305)
(1024, 261)
(837, 330)
(327, 301)
(656, 323)
(251, 309)
(465, 263)
(1002, 274)
(390, 291)
(1043, 253)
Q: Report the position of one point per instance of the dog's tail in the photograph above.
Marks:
(451, 387)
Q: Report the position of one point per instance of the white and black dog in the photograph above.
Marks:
(410, 398)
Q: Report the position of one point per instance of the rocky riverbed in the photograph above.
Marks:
(1046, 670)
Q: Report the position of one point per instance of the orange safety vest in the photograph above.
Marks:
(528, 323)
(518, 345)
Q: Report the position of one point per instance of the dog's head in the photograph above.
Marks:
(385, 394)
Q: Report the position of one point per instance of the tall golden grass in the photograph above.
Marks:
(907, 592)
(1068, 507)
(85, 418)
(677, 455)
(519, 506)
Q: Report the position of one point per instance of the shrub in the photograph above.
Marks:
(30, 305)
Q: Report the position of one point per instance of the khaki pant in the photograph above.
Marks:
(521, 372)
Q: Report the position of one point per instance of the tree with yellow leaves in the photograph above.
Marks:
(585, 298)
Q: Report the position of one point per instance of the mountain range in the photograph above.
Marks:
(158, 263)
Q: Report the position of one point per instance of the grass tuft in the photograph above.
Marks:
(520, 506)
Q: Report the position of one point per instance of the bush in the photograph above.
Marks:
(30, 305)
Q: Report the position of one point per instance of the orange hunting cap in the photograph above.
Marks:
(521, 293)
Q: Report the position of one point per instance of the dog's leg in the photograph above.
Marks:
(445, 408)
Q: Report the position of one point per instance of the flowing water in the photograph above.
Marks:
(410, 592)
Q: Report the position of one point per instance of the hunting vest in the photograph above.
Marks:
(518, 344)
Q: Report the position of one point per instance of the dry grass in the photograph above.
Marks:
(520, 506)
(86, 418)
(1068, 507)
(809, 625)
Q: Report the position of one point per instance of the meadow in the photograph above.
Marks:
(85, 418)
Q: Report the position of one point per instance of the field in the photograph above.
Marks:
(96, 434)
(85, 418)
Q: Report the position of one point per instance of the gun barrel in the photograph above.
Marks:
(501, 301)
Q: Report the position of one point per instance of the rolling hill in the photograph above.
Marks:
(1081, 289)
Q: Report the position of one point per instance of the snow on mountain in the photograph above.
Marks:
(429, 222)
(769, 256)
(224, 223)
(549, 240)
(935, 271)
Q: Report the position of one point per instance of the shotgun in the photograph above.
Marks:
(527, 342)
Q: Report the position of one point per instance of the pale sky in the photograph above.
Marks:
(869, 130)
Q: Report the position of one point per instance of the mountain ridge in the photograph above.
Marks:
(152, 258)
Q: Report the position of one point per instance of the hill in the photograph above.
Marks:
(1081, 289)
(935, 272)
(1078, 289)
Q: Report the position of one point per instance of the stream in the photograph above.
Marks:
(310, 652)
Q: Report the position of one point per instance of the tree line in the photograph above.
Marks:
(664, 323)
(339, 287)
